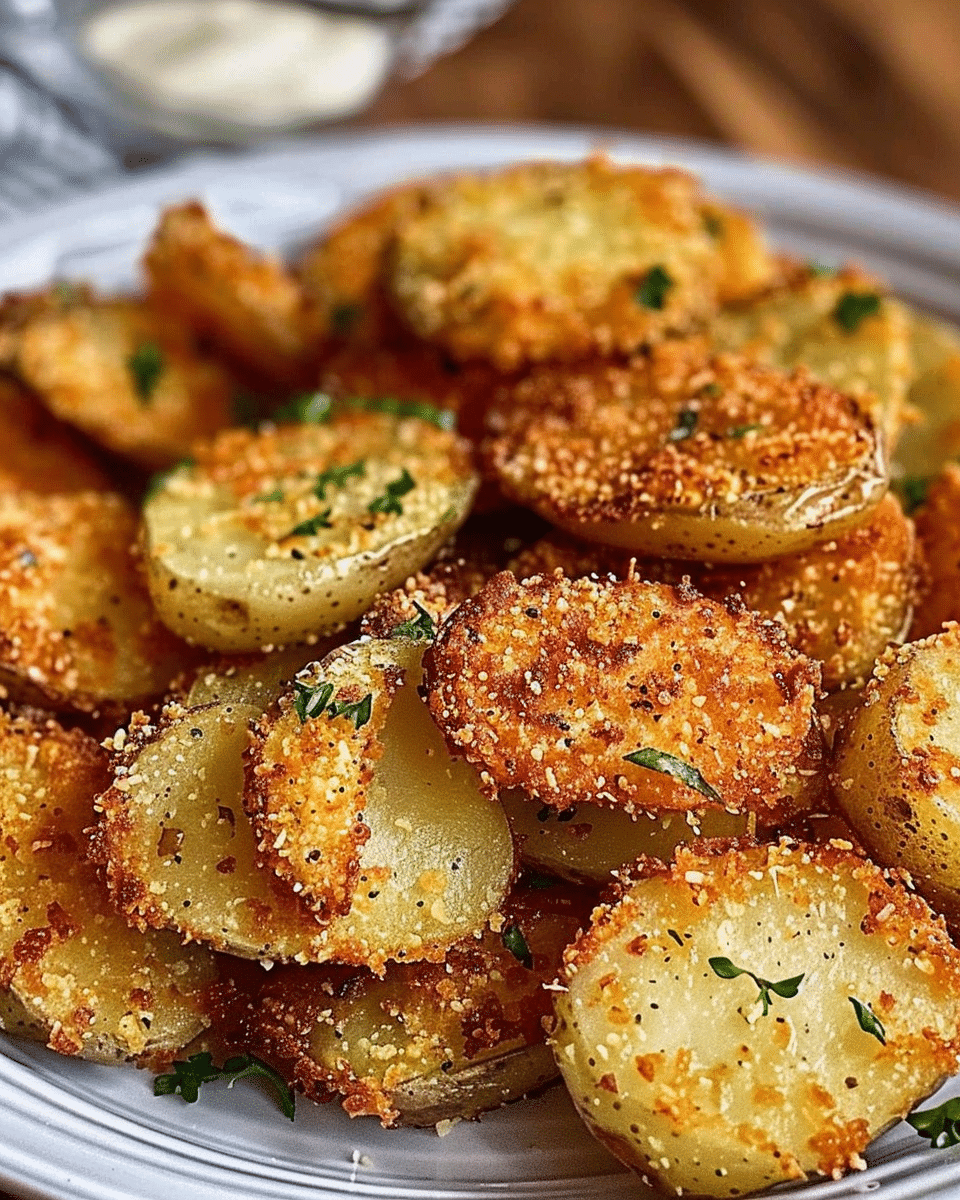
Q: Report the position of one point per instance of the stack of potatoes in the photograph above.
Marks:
(498, 648)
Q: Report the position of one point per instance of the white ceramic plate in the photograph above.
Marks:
(74, 1131)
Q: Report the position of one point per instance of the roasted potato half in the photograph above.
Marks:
(555, 260)
(932, 438)
(938, 530)
(77, 630)
(359, 807)
(840, 602)
(246, 303)
(428, 1042)
(288, 533)
(126, 374)
(841, 325)
(74, 972)
(756, 1014)
(617, 692)
(685, 456)
(896, 772)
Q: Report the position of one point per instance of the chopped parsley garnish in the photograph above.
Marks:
(146, 365)
(818, 270)
(343, 318)
(741, 431)
(652, 289)
(912, 490)
(712, 224)
(389, 502)
(516, 943)
(337, 477)
(312, 527)
(854, 307)
(188, 1077)
(785, 987)
(273, 497)
(868, 1021)
(667, 764)
(390, 406)
(419, 628)
(313, 408)
(311, 700)
(686, 423)
(941, 1124)
(158, 481)
(248, 409)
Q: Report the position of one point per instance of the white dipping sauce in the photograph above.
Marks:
(252, 61)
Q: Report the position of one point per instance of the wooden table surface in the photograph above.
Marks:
(872, 85)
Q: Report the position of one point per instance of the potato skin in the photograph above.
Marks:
(938, 530)
(548, 684)
(733, 1100)
(896, 769)
(679, 454)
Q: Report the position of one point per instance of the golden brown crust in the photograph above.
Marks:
(437, 592)
(672, 431)
(840, 602)
(127, 374)
(938, 528)
(247, 303)
(549, 684)
(77, 631)
(554, 260)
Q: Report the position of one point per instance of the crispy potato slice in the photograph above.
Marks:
(842, 326)
(932, 438)
(780, 1075)
(344, 273)
(938, 529)
(40, 454)
(556, 260)
(246, 303)
(177, 845)
(840, 602)
(124, 373)
(429, 1042)
(747, 265)
(288, 533)
(587, 842)
(681, 455)
(436, 593)
(75, 972)
(77, 630)
(365, 813)
(896, 772)
(552, 685)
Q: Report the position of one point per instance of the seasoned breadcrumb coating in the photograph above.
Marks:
(550, 684)
(938, 528)
(554, 261)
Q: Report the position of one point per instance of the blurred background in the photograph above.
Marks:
(872, 85)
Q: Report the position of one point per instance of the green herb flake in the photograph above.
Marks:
(516, 943)
(343, 317)
(157, 482)
(391, 406)
(741, 431)
(273, 497)
(389, 502)
(787, 988)
(188, 1077)
(357, 711)
(912, 491)
(868, 1020)
(854, 307)
(818, 270)
(312, 527)
(667, 764)
(686, 423)
(653, 288)
(338, 476)
(419, 628)
(312, 408)
(712, 224)
(941, 1124)
(146, 365)
(309, 700)
(248, 409)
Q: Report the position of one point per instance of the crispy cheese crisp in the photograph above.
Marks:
(684, 455)
(553, 685)
(555, 260)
